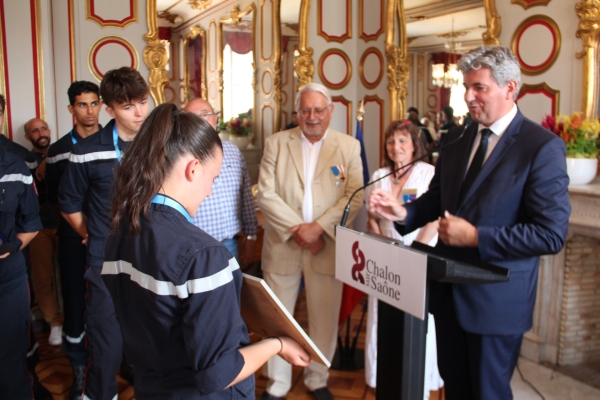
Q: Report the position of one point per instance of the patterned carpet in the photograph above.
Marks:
(55, 373)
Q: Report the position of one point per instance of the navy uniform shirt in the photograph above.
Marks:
(47, 215)
(56, 164)
(18, 150)
(18, 211)
(86, 186)
(176, 292)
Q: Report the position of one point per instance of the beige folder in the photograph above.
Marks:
(266, 316)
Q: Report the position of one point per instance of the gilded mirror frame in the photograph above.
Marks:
(235, 17)
(194, 32)
(396, 54)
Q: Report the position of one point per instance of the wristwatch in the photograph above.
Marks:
(251, 237)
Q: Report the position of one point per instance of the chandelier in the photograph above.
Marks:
(451, 77)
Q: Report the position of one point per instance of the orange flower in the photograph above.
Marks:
(576, 120)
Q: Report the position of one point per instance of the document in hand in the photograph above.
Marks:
(266, 316)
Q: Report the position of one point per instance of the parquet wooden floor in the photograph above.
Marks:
(54, 370)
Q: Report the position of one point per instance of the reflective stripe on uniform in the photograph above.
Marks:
(28, 180)
(75, 339)
(99, 155)
(164, 288)
(57, 158)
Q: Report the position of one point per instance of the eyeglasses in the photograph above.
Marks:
(319, 112)
(206, 114)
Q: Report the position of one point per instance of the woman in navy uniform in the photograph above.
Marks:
(176, 290)
(19, 223)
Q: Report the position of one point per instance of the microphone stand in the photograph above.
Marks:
(347, 209)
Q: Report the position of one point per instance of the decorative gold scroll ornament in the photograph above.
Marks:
(305, 67)
(492, 19)
(199, 4)
(589, 32)
(398, 72)
(155, 56)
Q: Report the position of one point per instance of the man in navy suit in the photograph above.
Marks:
(501, 194)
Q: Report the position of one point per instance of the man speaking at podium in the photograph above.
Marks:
(501, 194)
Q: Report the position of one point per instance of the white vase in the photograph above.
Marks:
(224, 135)
(240, 141)
(581, 171)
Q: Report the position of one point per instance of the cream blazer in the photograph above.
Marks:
(281, 194)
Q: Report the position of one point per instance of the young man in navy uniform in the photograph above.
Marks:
(84, 105)
(84, 198)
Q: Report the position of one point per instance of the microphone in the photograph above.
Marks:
(468, 122)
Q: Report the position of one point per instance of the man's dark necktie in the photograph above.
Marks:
(476, 163)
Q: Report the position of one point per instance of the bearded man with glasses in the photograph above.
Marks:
(307, 176)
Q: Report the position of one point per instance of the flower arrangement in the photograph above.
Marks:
(580, 136)
(240, 126)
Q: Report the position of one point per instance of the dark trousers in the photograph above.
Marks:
(72, 260)
(104, 340)
(473, 366)
(15, 381)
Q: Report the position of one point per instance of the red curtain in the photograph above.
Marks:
(164, 33)
(240, 42)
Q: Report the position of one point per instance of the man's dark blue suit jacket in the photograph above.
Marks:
(520, 205)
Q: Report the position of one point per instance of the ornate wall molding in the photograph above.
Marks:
(72, 56)
(264, 56)
(155, 56)
(106, 40)
(361, 23)
(361, 68)
(348, 105)
(277, 71)
(530, 3)
(321, 31)
(380, 104)
(305, 67)
(397, 69)
(544, 65)
(327, 80)
(589, 32)
(38, 68)
(104, 23)
(492, 20)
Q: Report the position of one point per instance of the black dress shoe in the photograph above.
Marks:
(268, 396)
(323, 394)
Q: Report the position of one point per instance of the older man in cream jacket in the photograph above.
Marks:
(307, 175)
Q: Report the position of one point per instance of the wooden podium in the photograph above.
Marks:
(401, 334)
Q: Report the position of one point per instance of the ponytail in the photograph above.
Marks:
(164, 136)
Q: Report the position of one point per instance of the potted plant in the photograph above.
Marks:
(239, 129)
(582, 142)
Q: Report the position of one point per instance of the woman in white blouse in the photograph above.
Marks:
(402, 146)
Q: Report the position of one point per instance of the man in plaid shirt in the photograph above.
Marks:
(230, 207)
